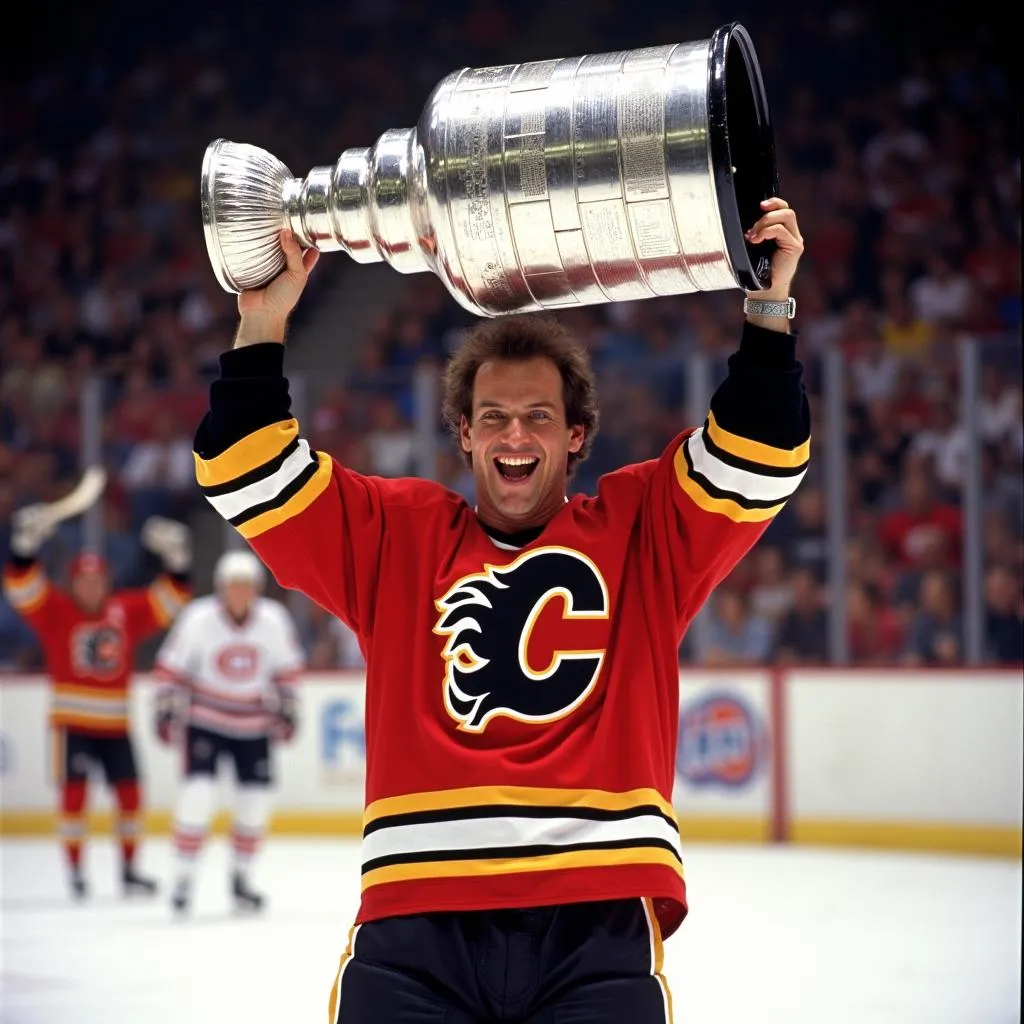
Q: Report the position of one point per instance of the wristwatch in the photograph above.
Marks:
(784, 309)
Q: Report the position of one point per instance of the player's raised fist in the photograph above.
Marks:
(264, 311)
(778, 222)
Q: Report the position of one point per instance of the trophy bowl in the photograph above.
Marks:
(602, 178)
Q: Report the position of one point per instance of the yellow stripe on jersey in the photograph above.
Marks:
(517, 865)
(83, 691)
(244, 456)
(297, 503)
(27, 592)
(166, 599)
(755, 451)
(719, 506)
(516, 796)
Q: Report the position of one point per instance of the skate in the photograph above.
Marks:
(245, 898)
(78, 887)
(181, 899)
(134, 884)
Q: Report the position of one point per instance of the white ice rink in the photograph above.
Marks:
(788, 935)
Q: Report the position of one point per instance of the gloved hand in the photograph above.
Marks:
(170, 541)
(287, 722)
(31, 527)
(165, 726)
(166, 716)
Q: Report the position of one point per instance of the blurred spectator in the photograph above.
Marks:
(874, 370)
(803, 632)
(941, 293)
(733, 634)
(772, 593)
(391, 444)
(944, 444)
(159, 474)
(1001, 485)
(920, 522)
(330, 643)
(1004, 617)
(999, 412)
(905, 332)
(874, 630)
(806, 544)
(936, 634)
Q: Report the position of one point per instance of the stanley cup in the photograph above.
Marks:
(610, 177)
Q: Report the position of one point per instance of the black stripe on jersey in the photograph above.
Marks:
(515, 811)
(254, 475)
(749, 465)
(291, 489)
(717, 492)
(516, 852)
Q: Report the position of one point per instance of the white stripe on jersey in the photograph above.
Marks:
(235, 502)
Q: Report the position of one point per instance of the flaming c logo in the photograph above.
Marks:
(524, 640)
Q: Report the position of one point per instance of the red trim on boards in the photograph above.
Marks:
(779, 765)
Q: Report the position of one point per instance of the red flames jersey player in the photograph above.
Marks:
(522, 656)
(89, 636)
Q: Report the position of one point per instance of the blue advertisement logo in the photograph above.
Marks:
(722, 741)
(342, 738)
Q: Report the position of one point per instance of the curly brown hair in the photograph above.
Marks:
(516, 339)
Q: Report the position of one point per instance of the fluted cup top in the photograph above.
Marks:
(243, 193)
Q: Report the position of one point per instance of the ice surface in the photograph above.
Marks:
(789, 935)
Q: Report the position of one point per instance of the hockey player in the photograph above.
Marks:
(229, 663)
(521, 855)
(89, 636)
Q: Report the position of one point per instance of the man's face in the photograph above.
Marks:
(238, 596)
(520, 442)
(90, 589)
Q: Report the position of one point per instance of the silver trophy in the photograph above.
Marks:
(610, 177)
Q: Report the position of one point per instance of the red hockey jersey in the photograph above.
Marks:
(521, 705)
(89, 658)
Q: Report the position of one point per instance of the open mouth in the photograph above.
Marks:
(516, 468)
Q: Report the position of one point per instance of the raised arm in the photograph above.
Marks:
(724, 482)
(316, 525)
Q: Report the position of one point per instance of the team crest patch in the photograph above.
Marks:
(524, 640)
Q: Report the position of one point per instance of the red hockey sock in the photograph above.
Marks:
(72, 820)
(128, 801)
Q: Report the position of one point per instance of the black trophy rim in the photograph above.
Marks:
(741, 137)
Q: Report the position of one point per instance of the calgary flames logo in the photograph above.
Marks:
(524, 640)
(98, 650)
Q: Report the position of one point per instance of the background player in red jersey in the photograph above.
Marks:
(89, 635)
(521, 855)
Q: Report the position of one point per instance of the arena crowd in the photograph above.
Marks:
(900, 156)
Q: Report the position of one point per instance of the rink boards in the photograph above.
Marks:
(887, 758)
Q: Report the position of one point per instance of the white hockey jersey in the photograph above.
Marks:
(233, 677)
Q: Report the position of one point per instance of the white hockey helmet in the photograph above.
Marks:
(238, 567)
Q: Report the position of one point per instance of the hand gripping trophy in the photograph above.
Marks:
(609, 177)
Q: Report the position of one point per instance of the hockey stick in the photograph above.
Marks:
(86, 491)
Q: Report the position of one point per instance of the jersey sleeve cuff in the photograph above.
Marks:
(265, 359)
(767, 348)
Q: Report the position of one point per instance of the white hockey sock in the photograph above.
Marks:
(252, 809)
(191, 822)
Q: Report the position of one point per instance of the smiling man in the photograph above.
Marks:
(521, 856)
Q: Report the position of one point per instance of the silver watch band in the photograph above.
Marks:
(783, 308)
